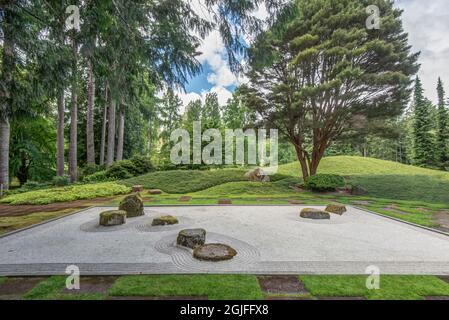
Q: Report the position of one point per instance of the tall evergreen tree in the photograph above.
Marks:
(210, 113)
(170, 119)
(319, 67)
(422, 138)
(442, 139)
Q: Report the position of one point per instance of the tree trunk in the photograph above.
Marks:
(111, 133)
(5, 131)
(302, 161)
(60, 135)
(103, 127)
(121, 133)
(90, 115)
(73, 156)
(5, 95)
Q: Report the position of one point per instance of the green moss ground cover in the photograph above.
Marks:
(69, 193)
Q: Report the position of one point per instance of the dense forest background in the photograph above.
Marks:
(78, 101)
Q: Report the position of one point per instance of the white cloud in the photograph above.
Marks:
(428, 28)
(213, 53)
(223, 95)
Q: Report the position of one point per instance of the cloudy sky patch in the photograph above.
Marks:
(426, 22)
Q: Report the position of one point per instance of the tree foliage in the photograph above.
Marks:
(320, 68)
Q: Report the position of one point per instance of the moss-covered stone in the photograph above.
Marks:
(133, 205)
(164, 220)
(214, 252)
(336, 208)
(191, 238)
(316, 214)
(112, 218)
(358, 191)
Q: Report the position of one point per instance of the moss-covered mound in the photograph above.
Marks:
(133, 205)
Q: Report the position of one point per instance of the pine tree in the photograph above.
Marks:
(442, 139)
(210, 114)
(169, 119)
(422, 138)
(319, 67)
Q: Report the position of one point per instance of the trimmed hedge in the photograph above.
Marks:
(324, 182)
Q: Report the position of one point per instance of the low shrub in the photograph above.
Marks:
(61, 181)
(99, 176)
(91, 169)
(142, 164)
(124, 169)
(324, 182)
(34, 185)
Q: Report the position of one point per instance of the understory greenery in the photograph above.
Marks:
(124, 169)
(69, 193)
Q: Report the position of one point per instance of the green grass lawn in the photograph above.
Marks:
(246, 287)
(216, 287)
(385, 179)
(391, 287)
(51, 289)
(184, 181)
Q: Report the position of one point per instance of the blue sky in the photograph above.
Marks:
(427, 23)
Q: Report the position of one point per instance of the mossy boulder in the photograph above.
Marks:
(358, 191)
(191, 238)
(336, 208)
(315, 214)
(133, 205)
(112, 218)
(214, 252)
(164, 220)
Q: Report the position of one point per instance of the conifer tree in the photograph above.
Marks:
(442, 139)
(422, 138)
